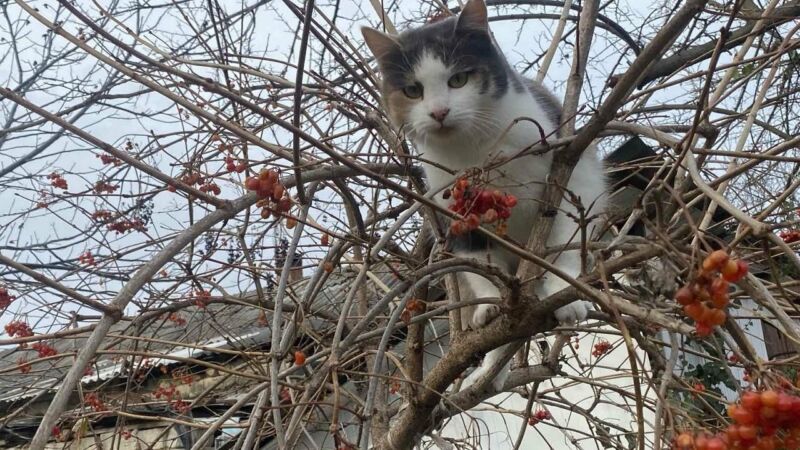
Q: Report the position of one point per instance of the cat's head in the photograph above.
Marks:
(443, 79)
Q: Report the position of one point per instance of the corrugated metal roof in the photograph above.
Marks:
(217, 326)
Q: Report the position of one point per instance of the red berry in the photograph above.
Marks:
(510, 201)
(703, 329)
(252, 183)
(684, 296)
(743, 417)
(748, 432)
(299, 358)
(751, 400)
(716, 444)
(473, 221)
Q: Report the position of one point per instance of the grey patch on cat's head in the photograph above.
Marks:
(462, 44)
(546, 99)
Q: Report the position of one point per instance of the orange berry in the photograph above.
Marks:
(729, 270)
(717, 318)
(299, 358)
(694, 310)
(291, 222)
(769, 399)
(715, 260)
(684, 440)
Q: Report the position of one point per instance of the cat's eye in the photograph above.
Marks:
(413, 90)
(458, 80)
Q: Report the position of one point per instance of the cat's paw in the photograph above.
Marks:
(484, 314)
(572, 313)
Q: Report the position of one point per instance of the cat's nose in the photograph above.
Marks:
(439, 114)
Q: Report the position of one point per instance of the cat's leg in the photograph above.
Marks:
(474, 287)
(588, 185)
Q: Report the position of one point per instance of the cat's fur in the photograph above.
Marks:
(472, 133)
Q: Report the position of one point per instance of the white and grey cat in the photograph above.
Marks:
(449, 87)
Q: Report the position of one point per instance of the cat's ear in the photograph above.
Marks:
(473, 17)
(379, 43)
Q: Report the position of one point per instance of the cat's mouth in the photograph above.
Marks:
(442, 130)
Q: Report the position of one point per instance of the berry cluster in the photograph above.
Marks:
(762, 420)
(413, 306)
(5, 298)
(176, 319)
(601, 348)
(210, 187)
(790, 236)
(705, 298)
(108, 159)
(539, 416)
(701, 441)
(272, 196)
(104, 187)
(101, 215)
(172, 395)
(767, 419)
(124, 225)
(44, 349)
(23, 365)
(18, 328)
(57, 181)
(93, 401)
(86, 258)
(478, 206)
(180, 406)
(201, 298)
(232, 166)
(168, 393)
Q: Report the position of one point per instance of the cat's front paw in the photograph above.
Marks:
(484, 314)
(572, 313)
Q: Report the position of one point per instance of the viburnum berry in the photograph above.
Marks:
(790, 236)
(23, 365)
(5, 298)
(18, 328)
(57, 181)
(478, 205)
(539, 416)
(705, 298)
(601, 348)
(44, 350)
(270, 191)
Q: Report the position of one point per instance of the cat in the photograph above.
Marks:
(449, 87)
